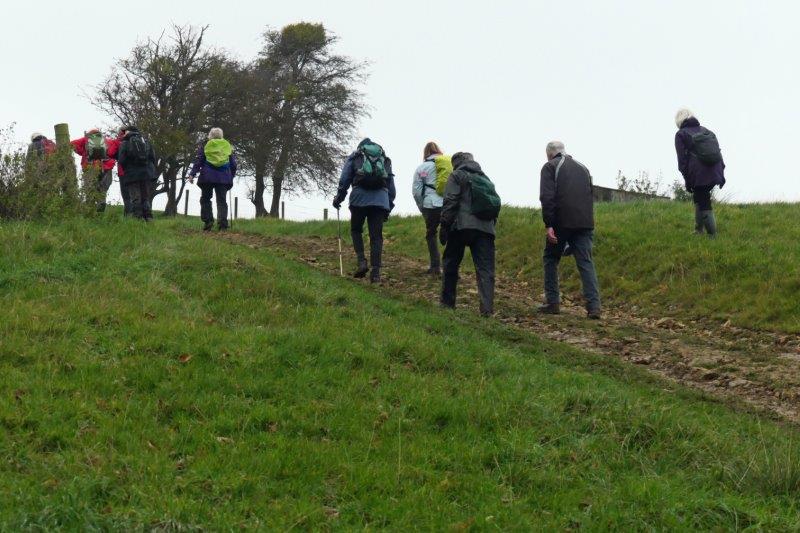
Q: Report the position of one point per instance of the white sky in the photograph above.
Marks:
(498, 78)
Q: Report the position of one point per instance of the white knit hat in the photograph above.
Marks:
(36, 134)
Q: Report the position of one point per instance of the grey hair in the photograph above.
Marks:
(554, 148)
(682, 115)
(215, 133)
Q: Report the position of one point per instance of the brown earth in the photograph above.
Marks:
(759, 368)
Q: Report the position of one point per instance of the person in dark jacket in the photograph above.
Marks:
(123, 190)
(461, 229)
(700, 178)
(216, 164)
(370, 205)
(137, 157)
(568, 213)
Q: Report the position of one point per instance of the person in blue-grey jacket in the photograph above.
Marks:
(369, 172)
(429, 202)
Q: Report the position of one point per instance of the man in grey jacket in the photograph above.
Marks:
(460, 228)
(568, 213)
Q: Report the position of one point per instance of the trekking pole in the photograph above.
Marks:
(339, 226)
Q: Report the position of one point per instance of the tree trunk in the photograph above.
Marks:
(170, 177)
(274, 210)
(258, 194)
(277, 181)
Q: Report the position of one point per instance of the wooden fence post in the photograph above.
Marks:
(186, 204)
(236, 207)
(325, 214)
(283, 210)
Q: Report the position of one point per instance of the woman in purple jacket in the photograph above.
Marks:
(216, 165)
(700, 162)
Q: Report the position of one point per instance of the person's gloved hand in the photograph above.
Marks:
(337, 203)
(443, 235)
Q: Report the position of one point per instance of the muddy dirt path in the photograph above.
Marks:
(759, 368)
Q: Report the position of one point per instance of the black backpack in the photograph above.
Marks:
(139, 149)
(705, 147)
(371, 169)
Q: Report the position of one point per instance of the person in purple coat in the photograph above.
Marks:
(216, 165)
(700, 161)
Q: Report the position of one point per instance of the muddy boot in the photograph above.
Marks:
(375, 275)
(362, 269)
(208, 225)
(434, 271)
(549, 309)
(698, 220)
(593, 314)
(710, 223)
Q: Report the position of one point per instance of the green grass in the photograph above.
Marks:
(648, 259)
(151, 378)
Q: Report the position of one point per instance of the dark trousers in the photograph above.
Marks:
(126, 198)
(140, 194)
(207, 190)
(702, 197)
(580, 242)
(433, 217)
(481, 246)
(374, 216)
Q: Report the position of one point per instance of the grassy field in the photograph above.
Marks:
(648, 259)
(152, 377)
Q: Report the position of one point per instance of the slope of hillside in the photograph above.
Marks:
(155, 377)
(649, 261)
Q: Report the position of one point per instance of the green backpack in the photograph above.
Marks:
(370, 166)
(444, 167)
(485, 200)
(96, 147)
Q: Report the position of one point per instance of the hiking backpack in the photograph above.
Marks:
(485, 200)
(138, 149)
(705, 147)
(444, 167)
(370, 167)
(43, 146)
(96, 147)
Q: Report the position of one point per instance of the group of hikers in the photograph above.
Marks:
(458, 202)
(457, 199)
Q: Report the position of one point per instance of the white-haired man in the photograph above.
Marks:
(568, 213)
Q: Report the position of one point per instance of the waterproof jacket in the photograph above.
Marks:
(136, 171)
(112, 145)
(567, 203)
(695, 173)
(457, 206)
(423, 186)
(211, 174)
(41, 146)
(360, 197)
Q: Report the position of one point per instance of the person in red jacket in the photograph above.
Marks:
(97, 161)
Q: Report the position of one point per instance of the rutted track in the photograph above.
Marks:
(759, 368)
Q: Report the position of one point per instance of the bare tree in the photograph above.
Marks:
(172, 88)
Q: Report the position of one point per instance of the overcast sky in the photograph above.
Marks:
(499, 78)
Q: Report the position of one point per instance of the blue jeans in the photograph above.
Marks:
(580, 242)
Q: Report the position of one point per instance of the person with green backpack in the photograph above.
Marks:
(97, 163)
(428, 187)
(469, 215)
(368, 171)
(216, 165)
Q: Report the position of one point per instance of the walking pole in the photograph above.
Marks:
(339, 225)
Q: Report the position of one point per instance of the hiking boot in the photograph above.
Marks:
(208, 226)
(549, 309)
(375, 275)
(362, 269)
(593, 314)
(710, 223)
(434, 271)
(698, 221)
(223, 228)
